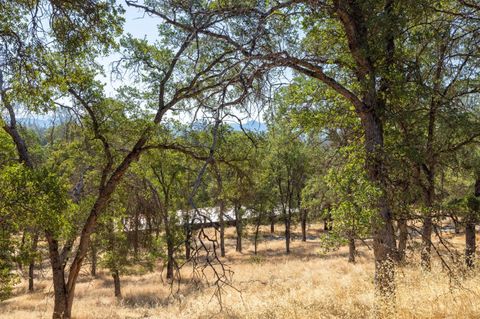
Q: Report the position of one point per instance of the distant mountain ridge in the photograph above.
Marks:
(43, 123)
(253, 126)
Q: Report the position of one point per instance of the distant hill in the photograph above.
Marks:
(35, 122)
(43, 123)
(252, 125)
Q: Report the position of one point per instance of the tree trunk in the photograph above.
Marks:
(402, 239)
(93, 254)
(238, 226)
(470, 243)
(257, 227)
(188, 235)
(170, 260)
(384, 243)
(272, 222)
(351, 250)
(62, 306)
(470, 238)
(426, 243)
(304, 224)
(135, 236)
(287, 232)
(116, 283)
(221, 213)
(429, 194)
(327, 222)
(222, 229)
(456, 224)
(170, 242)
(31, 267)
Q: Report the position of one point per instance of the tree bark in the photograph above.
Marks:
(93, 254)
(272, 222)
(327, 222)
(257, 228)
(426, 243)
(238, 226)
(470, 237)
(402, 239)
(351, 250)
(62, 306)
(116, 283)
(221, 204)
(470, 243)
(222, 229)
(384, 243)
(31, 267)
(170, 255)
(287, 232)
(304, 224)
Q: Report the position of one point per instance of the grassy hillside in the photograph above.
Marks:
(309, 283)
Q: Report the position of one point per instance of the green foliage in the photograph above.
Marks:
(354, 208)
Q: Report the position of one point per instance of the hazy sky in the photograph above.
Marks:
(144, 26)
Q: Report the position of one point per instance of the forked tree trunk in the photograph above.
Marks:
(62, 306)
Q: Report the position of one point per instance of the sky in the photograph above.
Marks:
(144, 26)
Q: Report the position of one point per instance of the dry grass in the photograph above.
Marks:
(306, 284)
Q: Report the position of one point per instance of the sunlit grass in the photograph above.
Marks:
(307, 284)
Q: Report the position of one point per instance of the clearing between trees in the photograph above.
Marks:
(308, 283)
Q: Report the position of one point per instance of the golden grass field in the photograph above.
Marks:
(306, 284)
